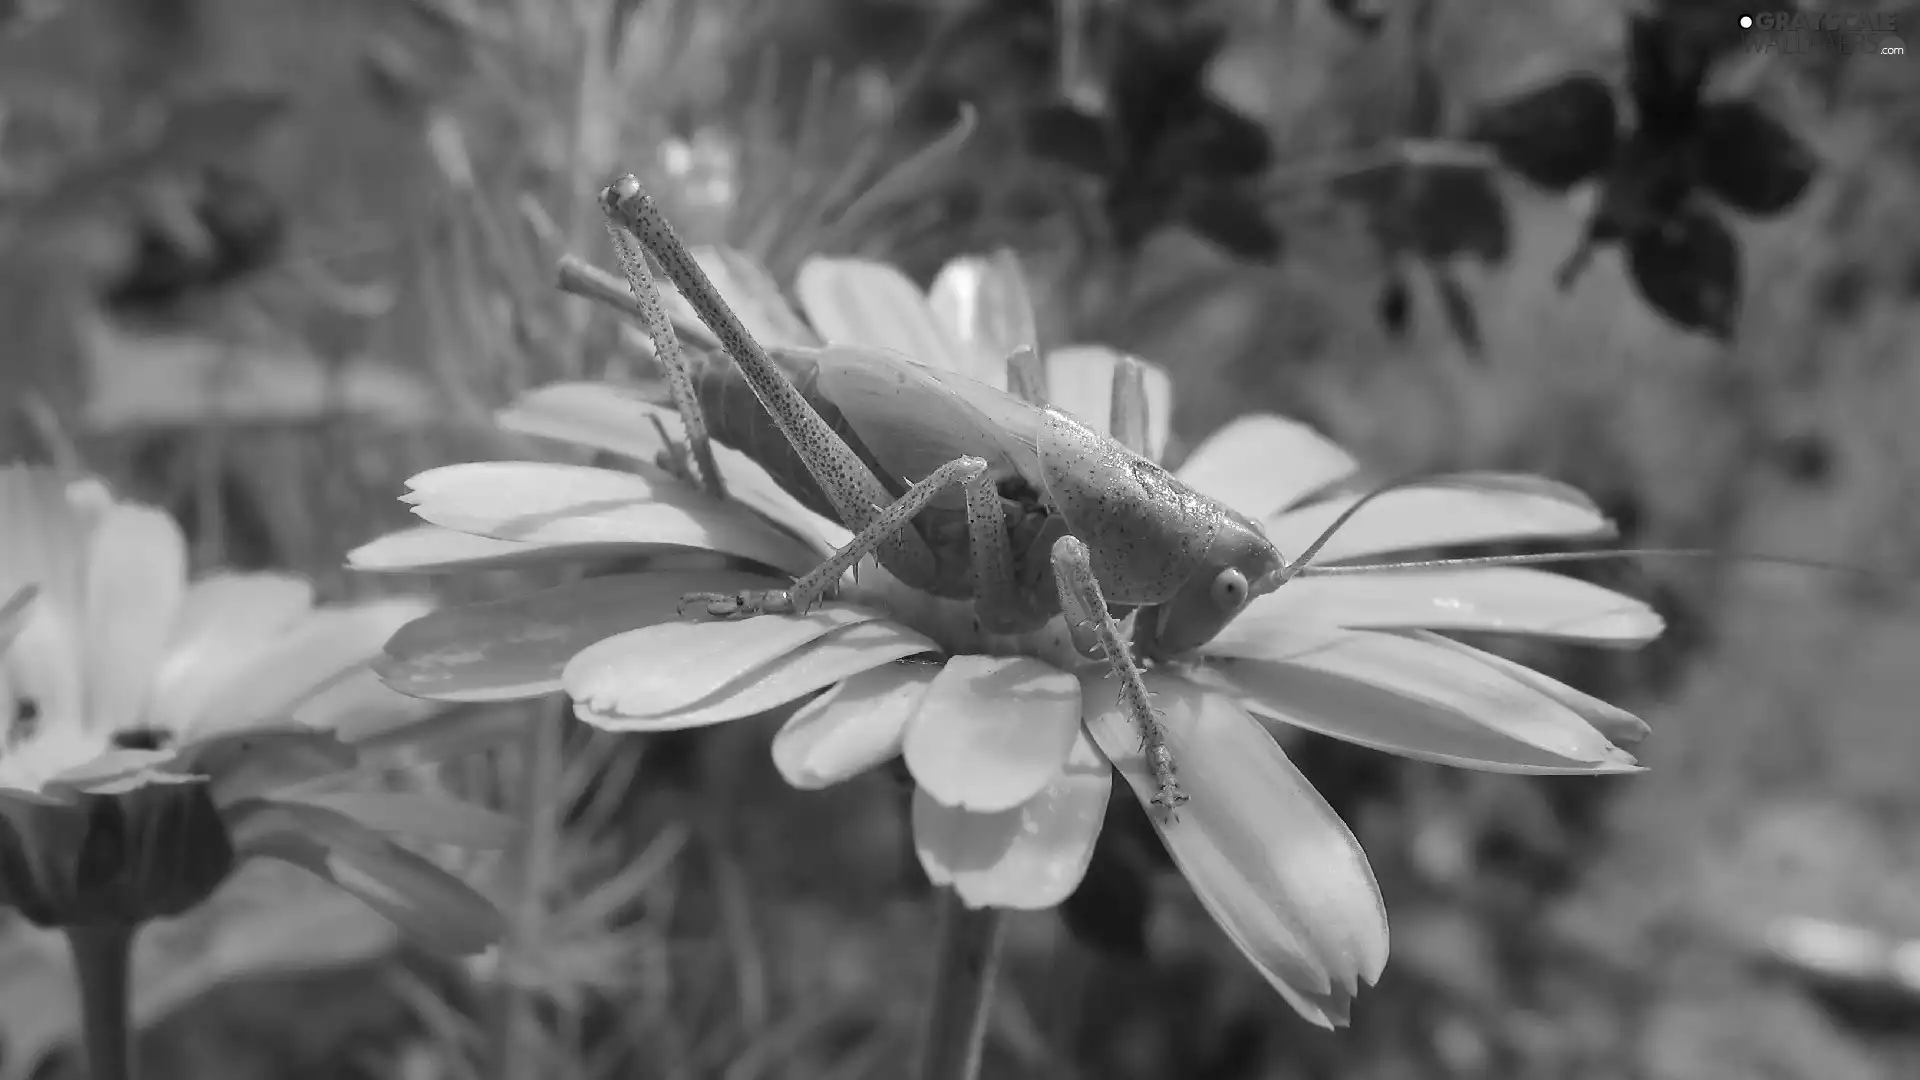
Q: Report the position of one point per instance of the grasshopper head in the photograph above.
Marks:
(1240, 564)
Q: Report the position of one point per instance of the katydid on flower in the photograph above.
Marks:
(966, 492)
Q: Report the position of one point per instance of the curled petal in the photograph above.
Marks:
(863, 302)
(852, 727)
(507, 650)
(1505, 600)
(1261, 464)
(992, 731)
(1080, 383)
(618, 420)
(436, 908)
(1030, 857)
(1415, 699)
(542, 502)
(1621, 727)
(1471, 508)
(1265, 854)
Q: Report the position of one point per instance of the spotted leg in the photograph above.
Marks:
(1085, 606)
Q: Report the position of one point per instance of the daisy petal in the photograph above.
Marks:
(358, 707)
(670, 668)
(1474, 508)
(851, 728)
(427, 549)
(836, 655)
(985, 303)
(1621, 727)
(1080, 383)
(508, 650)
(438, 909)
(862, 302)
(1265, 854)
(617, 420)
(1506, 600)
(1029, 858)
(283, 671)
(992, 731)
(1261, 464)
(543, 502)
(136, 574)
(1417, 700)
(224, 619)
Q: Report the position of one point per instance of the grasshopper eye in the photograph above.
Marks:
(1229, 590)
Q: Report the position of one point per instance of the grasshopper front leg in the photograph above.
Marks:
(857, 494)
(1085, 605)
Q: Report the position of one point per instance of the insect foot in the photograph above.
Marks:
(743, 605)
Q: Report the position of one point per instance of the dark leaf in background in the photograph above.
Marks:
(1160, 79)
(1110, 909)
(1394, 304)
(1220, 142)
(1666, 70)
(1713, 26)
(1804, 457)
(244, 229)
(1457, 210)
(1841, 291)
(1062, 133)
(1236, 220)
(1647, 186)
(1751, 160)
(1359, 14)
(1462, 317)
(1555, 136)
(1689, 270)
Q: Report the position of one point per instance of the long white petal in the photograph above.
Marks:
(1265, 854)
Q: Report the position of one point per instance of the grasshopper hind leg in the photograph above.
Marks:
(1084, 604)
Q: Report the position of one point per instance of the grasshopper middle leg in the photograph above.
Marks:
(1002, 606)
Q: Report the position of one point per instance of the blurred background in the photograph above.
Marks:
(261, 260)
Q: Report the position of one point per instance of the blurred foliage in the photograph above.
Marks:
(262, 260)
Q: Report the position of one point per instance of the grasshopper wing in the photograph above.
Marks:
(913, 418)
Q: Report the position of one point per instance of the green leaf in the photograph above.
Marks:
(13, 615)
(504, 650)
(435, 819)
(269, 920)
(426, 902)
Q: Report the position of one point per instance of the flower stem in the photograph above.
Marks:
(955, 1032)
(102, 962)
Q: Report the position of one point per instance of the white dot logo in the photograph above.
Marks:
(1746, 22)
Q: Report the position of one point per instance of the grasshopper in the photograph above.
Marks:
(1019, 508)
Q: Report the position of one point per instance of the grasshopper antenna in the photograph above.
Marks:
(1301, 566)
